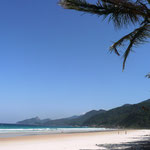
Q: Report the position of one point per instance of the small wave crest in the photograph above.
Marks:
(52, 130)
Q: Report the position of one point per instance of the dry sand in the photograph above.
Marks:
(73, 141)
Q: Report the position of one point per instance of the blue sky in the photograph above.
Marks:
(55, 63)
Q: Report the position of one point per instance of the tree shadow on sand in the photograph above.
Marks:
(137, 145)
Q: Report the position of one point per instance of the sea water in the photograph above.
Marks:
(13, 130)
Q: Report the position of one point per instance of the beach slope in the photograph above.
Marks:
(76, 141)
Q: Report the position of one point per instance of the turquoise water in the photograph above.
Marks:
(18, 126)
(12, 130)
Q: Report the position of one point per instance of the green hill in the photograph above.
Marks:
(71, 121)
(78, 121)
(128, 116)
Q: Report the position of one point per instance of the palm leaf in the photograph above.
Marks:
(138, 36)
(148, 75)
(121, 12)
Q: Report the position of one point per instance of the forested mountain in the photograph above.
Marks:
(33, 121)
(128, 116)
(70, 121)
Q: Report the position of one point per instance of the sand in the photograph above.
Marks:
(73, 141)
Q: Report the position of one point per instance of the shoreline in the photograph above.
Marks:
(52, 132)
(28, 135)
(73, 141)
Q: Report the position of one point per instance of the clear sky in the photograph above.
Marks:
(55, 63)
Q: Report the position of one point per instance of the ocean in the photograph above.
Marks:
(13, 130)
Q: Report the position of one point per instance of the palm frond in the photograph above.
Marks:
(121, 12)
(138, 36)
(148, 75)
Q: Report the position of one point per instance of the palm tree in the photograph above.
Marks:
(122, 13)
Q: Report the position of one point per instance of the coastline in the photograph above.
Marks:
(6, 133)
(73, 141)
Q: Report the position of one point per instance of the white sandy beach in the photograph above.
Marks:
(73, 141)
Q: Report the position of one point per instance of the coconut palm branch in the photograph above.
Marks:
(122, 13)
(138, 36)
(148, 75)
